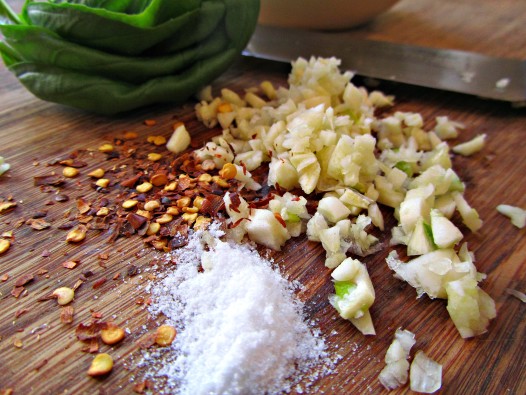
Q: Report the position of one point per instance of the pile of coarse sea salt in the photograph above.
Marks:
(240, 327)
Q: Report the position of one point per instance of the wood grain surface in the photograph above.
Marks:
(41, 355)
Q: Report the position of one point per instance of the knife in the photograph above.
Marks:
(446, 69)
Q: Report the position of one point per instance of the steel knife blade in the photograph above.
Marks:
(446, 69)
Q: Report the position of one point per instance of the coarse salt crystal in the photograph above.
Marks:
(240, 328)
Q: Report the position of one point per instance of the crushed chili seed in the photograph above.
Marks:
(112, 334)
(4, 277)
(106, 147)
(77, 234)
(156, 140)
(70, 172)
(7, 206)
(4, 245)
(18, 343)
(97, 173)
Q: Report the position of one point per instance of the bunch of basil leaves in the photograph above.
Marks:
(111, 56)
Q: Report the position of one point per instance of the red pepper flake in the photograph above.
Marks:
(103, 256)
(17, 291)
(99, 283)
(93, 346)
(85, 332)
(96, 315)
(38, 223)
(70, 264)
(130, 182)
(66, 315)
(238, 222)
(41, 272)
(40, 364)
(23, 280)
(280, 219)
(49, 180)
(235, 202)
(116, 276)
(135, 220)
(242, 164)
(150, 122)
(4, 277)
(20, 312)
(83, 206)
(147, 341)
(45, 254)
(73, 163)
(144, 385)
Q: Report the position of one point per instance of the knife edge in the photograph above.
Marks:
(446, 69)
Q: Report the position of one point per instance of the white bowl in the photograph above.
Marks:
(321, 14)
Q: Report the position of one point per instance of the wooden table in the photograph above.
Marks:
(41, 355)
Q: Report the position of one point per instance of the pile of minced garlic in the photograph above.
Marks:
(240, 329)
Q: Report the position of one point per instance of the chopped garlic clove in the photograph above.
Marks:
(516, 214)
(425, 374)
(470, 147)
(180, 139)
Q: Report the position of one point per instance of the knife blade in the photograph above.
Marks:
(446, 69)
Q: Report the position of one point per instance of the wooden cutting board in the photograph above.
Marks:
(49, 360)
(41, 355)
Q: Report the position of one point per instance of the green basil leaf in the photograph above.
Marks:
(106, 96)
(38, 45)
(95, 31)
(211, 15)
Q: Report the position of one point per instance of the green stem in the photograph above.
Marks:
(6, 13)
